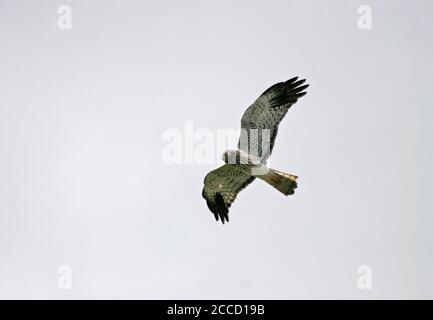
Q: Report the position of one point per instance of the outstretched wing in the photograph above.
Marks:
(221, 187)
(266, 113)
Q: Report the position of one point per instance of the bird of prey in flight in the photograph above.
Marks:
(259, 127)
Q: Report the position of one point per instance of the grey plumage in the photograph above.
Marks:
(259, 128)
(266, 113)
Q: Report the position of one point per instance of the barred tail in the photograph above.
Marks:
(284, 182)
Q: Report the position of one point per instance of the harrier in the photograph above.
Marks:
(259, 127)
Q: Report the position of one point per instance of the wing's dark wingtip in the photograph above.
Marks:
(289, 92)
(221, 208)
(299, 89)
(285, 86)
(291, 80)
(294, 82)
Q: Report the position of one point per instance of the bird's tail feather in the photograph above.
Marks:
(283, 182)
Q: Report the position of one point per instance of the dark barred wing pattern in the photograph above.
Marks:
(221, 187)
(265, 114)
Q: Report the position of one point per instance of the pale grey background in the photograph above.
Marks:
(82, 183)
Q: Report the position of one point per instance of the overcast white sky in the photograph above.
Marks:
(82, 183)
